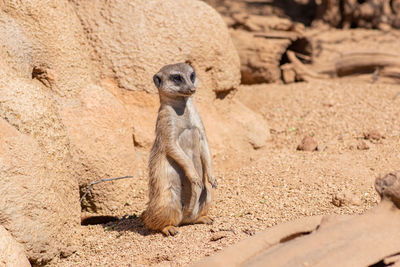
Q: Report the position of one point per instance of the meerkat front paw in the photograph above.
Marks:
(195, 180)
(197, 183)
(213, 181)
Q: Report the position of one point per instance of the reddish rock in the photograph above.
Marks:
(373, 135)
(308, 144)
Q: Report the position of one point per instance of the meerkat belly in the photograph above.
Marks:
(189, 140)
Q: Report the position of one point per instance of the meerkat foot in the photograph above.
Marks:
(204, 220)
(170, 230)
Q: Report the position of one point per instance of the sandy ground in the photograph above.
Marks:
(261, 188)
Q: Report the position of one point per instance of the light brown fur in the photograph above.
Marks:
(180, 171)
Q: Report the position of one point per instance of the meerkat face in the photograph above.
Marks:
(176, 80)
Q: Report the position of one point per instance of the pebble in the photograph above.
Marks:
(362, 146)
(308, 144)
(218, 236)
(346, 198)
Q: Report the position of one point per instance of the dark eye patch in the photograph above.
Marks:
(176, 78)
(193, 76)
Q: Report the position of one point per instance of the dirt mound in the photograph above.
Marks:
(308, 240)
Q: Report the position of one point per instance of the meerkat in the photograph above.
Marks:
(181, 179)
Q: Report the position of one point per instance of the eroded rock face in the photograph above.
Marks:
(11, 252)
(62, 127)
(44, 41)
(100, 131)
(133, 40)
(38, 204)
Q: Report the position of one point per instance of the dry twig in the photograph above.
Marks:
(100, 181)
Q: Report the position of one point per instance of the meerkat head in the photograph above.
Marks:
(176, 80)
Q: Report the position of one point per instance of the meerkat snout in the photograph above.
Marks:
(176, 80)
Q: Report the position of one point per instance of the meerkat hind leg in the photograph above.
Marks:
(204, 220)
(170, 230)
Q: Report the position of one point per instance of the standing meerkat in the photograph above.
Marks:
(180, 171)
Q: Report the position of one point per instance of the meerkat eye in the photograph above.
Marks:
(193, 76)
(176, 78)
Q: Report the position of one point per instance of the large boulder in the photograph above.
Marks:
(45, 70)
(38, 203)
(44, 41)
(72, 78)
(11, 252)
(100, 130)
(132, 40)
(46, 46)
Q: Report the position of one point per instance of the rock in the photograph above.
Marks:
(288, 73)
(46, 75)
(68, 251)
(41, 228)
(237, 125)
(39, 202)
(218, 236)
(321, 147)
(346, 198)
(373, 135)
(11, 252)
(388, 187)
(44, 41)
(100, 132)
(362, 145)
(249, 232)
(155, 33)
(254, 126)
(308, 144)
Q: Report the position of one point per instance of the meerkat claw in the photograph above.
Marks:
(170, 230)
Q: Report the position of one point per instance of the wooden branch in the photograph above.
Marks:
(365, 62)
(302, 71)
(293, 36)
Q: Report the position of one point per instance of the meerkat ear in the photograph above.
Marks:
(157, 81)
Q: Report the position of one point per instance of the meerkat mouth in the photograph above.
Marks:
(186, 93)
